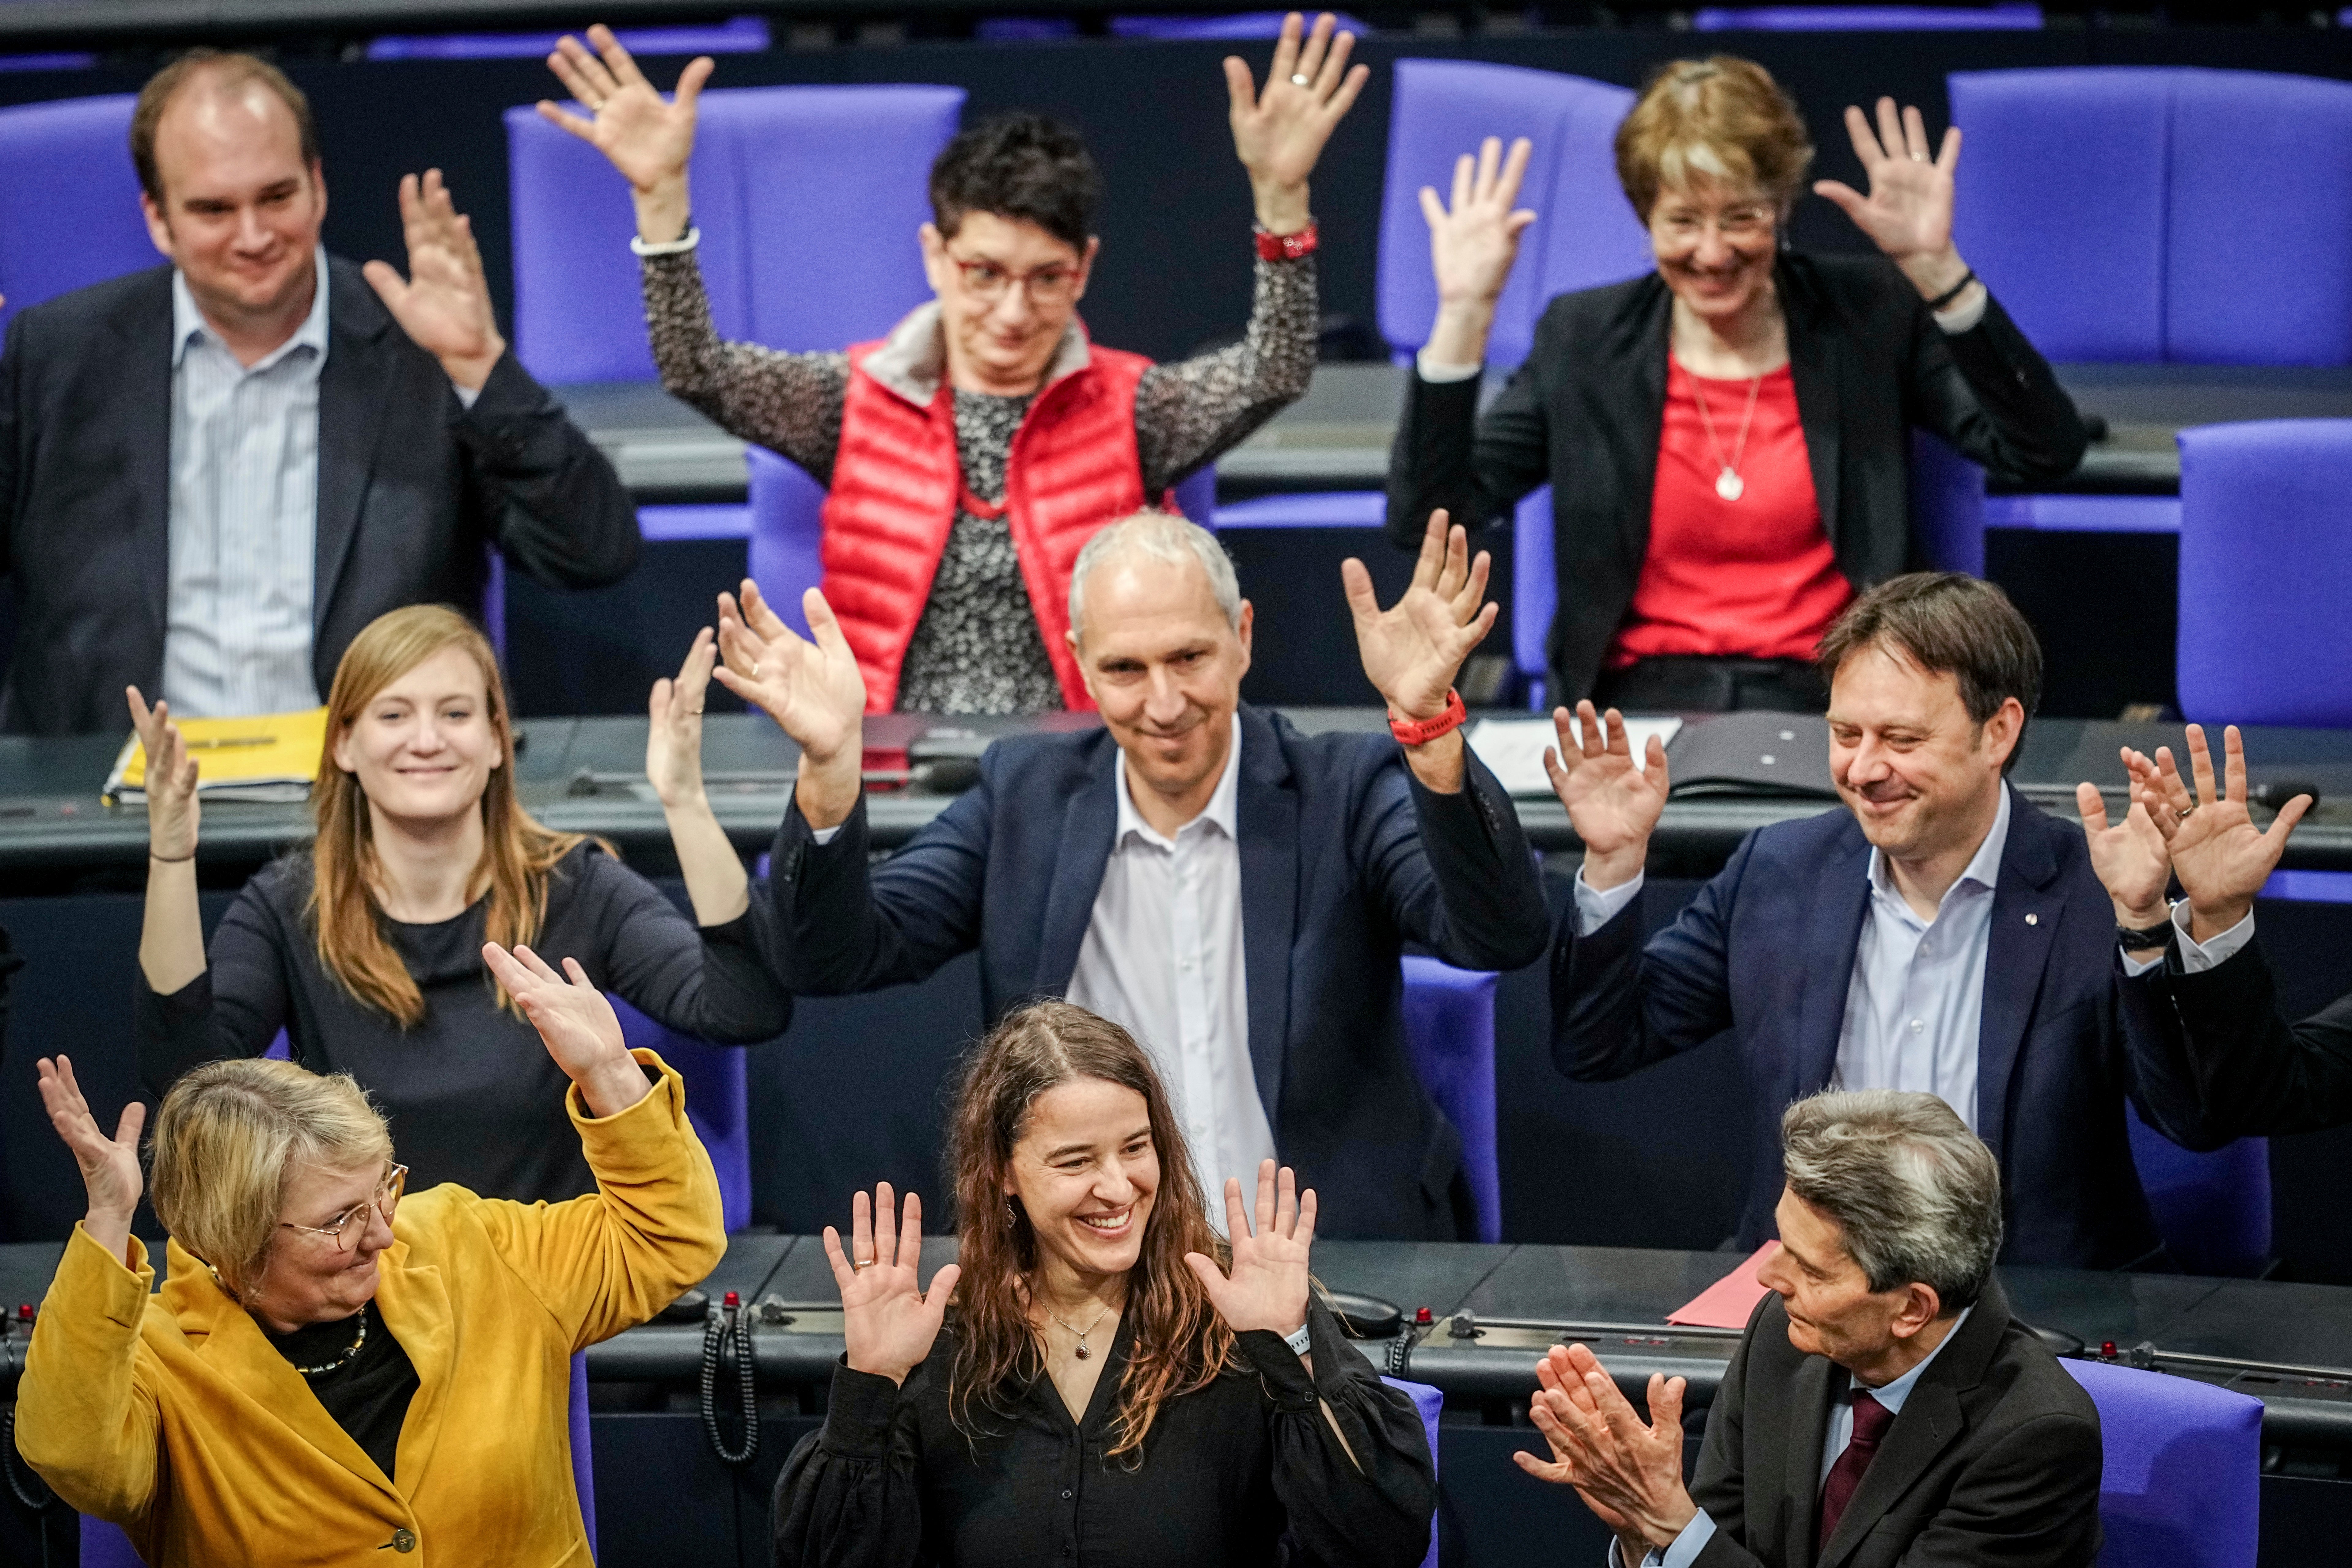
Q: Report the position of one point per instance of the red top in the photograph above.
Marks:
(1752, 578)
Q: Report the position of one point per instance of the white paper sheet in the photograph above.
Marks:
(1513, 749)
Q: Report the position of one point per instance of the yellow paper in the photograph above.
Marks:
(263, 756)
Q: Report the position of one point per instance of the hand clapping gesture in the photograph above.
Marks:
(1267, 1285)
(171, 786)
(1612, 804)
(444, 305)
(674, 738)
(1628, 1473)
(109, 1167)
(811, 688)
(2221, 858)
(1908, 213)
(577, 1025)
(1280, 133)
(888, 1320)
(1473, 242)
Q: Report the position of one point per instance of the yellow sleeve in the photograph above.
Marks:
(653, 1228)
(87, 1416)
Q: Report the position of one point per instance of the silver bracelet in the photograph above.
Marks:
(1299, 1342)
(679, 246)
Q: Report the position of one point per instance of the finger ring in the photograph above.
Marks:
(1298, 79)
(755, 669)
(2182, 814)
(857, 1264)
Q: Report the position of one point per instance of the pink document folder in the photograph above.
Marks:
(1731, 1300)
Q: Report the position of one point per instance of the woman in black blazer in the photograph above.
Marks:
(1726, 439)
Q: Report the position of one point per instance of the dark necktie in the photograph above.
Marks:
(1871, 1420)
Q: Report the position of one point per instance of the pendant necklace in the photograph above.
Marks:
(1727, 483)
(343, 1359)
(1084, 1352)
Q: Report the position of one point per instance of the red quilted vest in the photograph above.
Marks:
(897, 480)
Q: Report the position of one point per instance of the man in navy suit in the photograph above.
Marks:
(1941, 934)
(1235, 893)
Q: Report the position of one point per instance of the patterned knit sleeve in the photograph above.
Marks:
(1195, 410)
(789, 403)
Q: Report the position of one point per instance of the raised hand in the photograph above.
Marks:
(1474, 242)
(172, 809)
(2129, 856)
(1908, 213)
(445, 304)
(1612, 804)
(674, 738)
(109, 1167)
(648, 138)
(886, 1319)
(2221, 858)
(813, 690)
(1412, 649)
(1267, 1285)
(1280, 133)
(575, 1022)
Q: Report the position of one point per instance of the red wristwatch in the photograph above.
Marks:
(1286, 247)
(1421, 731)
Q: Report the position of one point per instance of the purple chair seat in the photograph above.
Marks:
(1449, 1026)
(2181, 1484)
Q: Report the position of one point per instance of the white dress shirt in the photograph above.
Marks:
(1686, 1547)
(244, 517)
(1162, 957)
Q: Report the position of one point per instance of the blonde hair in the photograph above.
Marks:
(1720, 119)
(229, 1137)
(518, 853)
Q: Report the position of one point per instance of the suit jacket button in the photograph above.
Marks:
(403, 1539)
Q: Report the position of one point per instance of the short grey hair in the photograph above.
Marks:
(1917, 1194)
(1164, 537)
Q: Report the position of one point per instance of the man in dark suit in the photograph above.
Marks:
(1941, 934)
(1235, 893)
(1883, 1407)
(214, 474)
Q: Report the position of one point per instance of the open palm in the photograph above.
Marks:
(1613, 802)
(1474, 242)
(888, 1322)
(171, 780)
(2221, 858)
(109, 1167)
(2128, 855)
(647, 137)
(674, 733)
(812, 688)
(1266, 1285)
(444, 304)
(1280, 133)
(1411, 649)
(1909, 212)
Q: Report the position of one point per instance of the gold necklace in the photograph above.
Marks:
(345, 1359)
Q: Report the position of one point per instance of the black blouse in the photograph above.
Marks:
(368, 1394)
(1245, 1471)
(472, 1095)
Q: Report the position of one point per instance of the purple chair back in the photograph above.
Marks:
(1241, 24)
(2265, 572)
(787, 533)
(1430, 1401)
(68, 199)
(769, 163)
(2183, 1480)
(2158, 214)
(1449, 1028)
(1535, 591)
(583, 1459)
(2212, 1209)
(1864, 18)
(717, 1101)
(736, 35)
(1443, 108)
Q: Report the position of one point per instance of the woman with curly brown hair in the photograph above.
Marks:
(1116, 1383)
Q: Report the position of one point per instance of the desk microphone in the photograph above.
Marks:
(2275, 793)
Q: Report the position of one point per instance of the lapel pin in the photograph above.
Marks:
(2034, 919)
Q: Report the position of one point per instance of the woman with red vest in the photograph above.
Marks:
(970, 453)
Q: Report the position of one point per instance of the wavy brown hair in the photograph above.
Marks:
(1178, 1344)
(517, 854)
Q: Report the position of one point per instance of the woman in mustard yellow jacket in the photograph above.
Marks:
(330, 1371)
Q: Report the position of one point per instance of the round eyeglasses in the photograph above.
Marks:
(340, 1232)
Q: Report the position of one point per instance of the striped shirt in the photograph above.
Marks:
(243, 518)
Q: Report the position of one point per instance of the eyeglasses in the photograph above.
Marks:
(338, 1230)
(988, 282)
(1734, 223)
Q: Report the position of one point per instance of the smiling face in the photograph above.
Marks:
(1714, 244)
(241, 209)
(1919, 774)
(1832, 1312)
(1165, 667)
(423, 748)
(1007, 290)
(307, 1278)
(1086, 1172)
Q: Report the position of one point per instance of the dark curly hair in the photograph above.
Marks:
(1021, 166)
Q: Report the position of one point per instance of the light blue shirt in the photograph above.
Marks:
(1686, 1547)
(244, 517)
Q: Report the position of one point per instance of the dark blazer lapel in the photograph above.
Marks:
(1643, 350)
(1811, 1393)
(2026, 903)
(145, 406)
(1265, 812)
(1813, 367)
(1088, 824)
(354, 386)
(1839, 896)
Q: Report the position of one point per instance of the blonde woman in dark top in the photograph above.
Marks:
(1101, 1378)
(365, 945)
